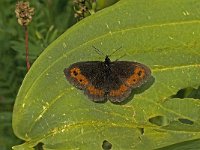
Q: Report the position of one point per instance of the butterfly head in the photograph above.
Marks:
(107, 60)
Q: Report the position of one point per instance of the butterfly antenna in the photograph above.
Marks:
(98, 51)
(120, 57)
(115, 51)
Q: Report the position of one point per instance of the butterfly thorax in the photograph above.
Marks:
(107, 72)
(107, 67)
(107, 61)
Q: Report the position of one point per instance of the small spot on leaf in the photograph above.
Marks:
(106, 145)
(39, 146)
(141, 131)
(159, 120)
(188, 93)
(186, 121)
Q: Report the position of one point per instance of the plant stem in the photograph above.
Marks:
(26, 46)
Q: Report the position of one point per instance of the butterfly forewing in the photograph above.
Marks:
(132, 74)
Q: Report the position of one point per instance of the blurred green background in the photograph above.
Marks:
(51, 19)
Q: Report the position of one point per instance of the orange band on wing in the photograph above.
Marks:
(122, 89)
(76, 73)
(138, 74)
(94, 91)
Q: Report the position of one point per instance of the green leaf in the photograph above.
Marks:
(163, 35)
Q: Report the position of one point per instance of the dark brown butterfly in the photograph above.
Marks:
(107, 80)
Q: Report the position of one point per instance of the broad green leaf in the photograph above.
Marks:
(163, 35)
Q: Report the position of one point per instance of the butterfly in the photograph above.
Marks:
(106, 80)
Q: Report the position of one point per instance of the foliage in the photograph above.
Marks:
(44, 29)
(163, 35)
